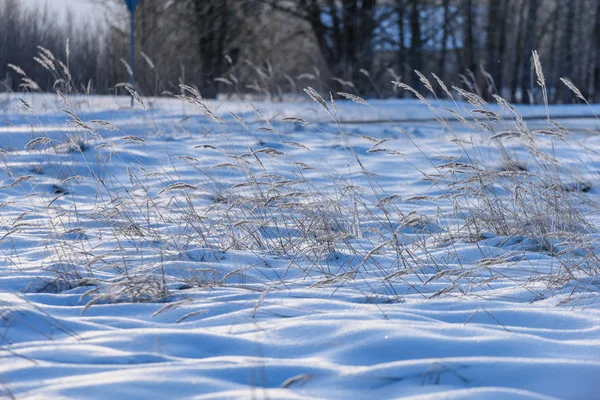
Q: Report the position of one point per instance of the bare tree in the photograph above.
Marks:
(566, 52)
(445, 37)
(596, 66)
(518, 46)
(494, 30)
(469, 48)
(416, 40)
(528, 46)
(344, 31)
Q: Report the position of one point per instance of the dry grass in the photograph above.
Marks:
(274, 208)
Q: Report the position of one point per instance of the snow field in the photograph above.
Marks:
(164, 253)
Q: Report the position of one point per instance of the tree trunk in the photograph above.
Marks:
(493, 27)
(502, 47)
(445, 35)
(518, 53)
(527, 72)
(555, 55)
(416, 43)
(400, 15)
(566, 52)
(469, 37)
(596, 75)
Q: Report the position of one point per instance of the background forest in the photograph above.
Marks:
(273, 48)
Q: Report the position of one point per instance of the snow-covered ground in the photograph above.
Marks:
(162, 253)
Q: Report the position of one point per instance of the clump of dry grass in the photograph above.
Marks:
(346, 231)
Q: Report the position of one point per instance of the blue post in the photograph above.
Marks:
(131, 5)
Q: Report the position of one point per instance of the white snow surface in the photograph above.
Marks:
(241, 323)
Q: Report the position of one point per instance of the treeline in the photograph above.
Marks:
(275, 47)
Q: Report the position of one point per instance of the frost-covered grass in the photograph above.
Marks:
(190, 248)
